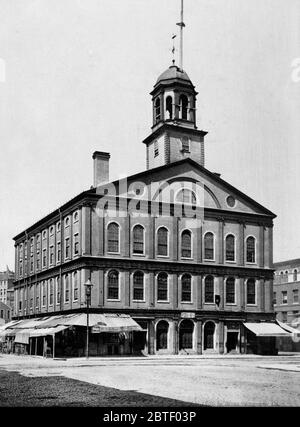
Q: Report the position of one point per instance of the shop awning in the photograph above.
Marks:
(116, 323)
(288, 328)
(266, 329)
(23, 335)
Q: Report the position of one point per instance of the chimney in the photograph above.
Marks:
(101, 168)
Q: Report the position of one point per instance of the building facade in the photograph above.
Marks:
(5, 313)
(7, 287)
(182, 252)
(287, 290)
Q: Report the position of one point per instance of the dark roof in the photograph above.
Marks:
(173, 72)
(288, 263)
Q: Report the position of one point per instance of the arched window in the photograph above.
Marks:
(209, 289)
(251, 297)
(186, 288)
(184, 107)
(230, 247)
(157, 110)
(138, 239)
(186, 244)
(250, 248)
(162, 330)
(138, 286)
(162, 287)
(75, 287)
(209, 246)
(162, 241)
(113, 285)
(295, 276)
(230, 291)
(169, 107)
(186, 196)
(113, 237)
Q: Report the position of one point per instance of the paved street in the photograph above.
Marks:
(205, 380)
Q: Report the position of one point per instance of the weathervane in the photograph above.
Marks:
(181, 24)
(173, 48)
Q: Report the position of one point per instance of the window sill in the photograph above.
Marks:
(230, 262)
(163, 302)
(187, 258)
(141, 255)
(186, 302)
(231, 303)
(162, 256)
(138, 300)
(113, 300)
(113, 253)
(209, 260)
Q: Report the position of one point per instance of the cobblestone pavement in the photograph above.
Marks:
(206, 380)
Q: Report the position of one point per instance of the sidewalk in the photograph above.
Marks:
(30, 361)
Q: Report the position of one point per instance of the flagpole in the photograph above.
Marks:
(181, 25)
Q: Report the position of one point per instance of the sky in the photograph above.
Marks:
(75, 77)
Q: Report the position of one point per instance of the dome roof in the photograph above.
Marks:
(173, 72)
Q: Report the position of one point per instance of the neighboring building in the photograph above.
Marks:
(7, 287)
(190, 282)
(286, 293)
(5, 313)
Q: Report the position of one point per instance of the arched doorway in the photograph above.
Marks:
(162, 330)
(209, 331)
(186, 330)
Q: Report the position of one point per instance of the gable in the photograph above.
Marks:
(164, 183)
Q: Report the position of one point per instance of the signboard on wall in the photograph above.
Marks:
(187, 315)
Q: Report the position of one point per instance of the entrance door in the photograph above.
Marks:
(209, 331)
(162, 329)
(186, 330)
(232, 341)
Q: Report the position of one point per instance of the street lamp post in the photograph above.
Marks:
(88, 290)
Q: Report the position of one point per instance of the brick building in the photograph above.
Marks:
(175, 249)
(287, 290)
(7, 287)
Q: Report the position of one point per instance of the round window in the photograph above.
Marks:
(230, 201)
